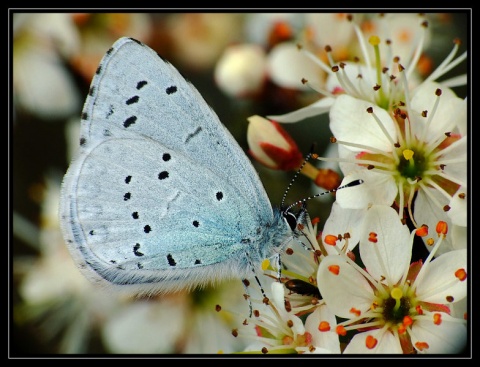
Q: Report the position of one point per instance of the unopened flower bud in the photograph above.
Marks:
(271, 145)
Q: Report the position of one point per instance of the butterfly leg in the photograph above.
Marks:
(246, 283)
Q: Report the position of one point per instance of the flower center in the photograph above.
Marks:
(412, 164)
(396, 307)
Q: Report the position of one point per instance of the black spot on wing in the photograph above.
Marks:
(147, 229)
(130, 121)
(99, 69)
(128, 179)
(82, 141)
(166, 157)
(135, 215)
(84, 116)
(141, 84)
(127, 196)
(163, 175)
(135, 250)
(170, 260)
(132, 100)
(170, 90)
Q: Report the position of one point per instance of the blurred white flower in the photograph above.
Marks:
(241, 70)
(199, 38)
(42, 85)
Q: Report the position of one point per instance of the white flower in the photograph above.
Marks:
(42, 84)
(241, 70)
(415, 158)
(280, 331)
(200, 38)
(373, 75)
(395, 306)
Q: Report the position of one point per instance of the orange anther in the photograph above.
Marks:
(334, 269)
(421, 345)
(324, 326)
(340, 330)
(422, 231)
(370, 342)
(330, 239)
(315, 220)
(442, 227)
(407, 321)
(461, 274)
(355, 311)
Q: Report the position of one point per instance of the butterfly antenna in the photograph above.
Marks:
(350, 184)
(309, 155)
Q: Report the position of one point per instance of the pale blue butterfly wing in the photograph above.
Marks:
(161, 197)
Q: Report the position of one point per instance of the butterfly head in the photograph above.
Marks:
(295, 217)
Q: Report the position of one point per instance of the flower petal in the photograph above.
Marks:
(350, 122)
(341, 221)
(323, 339)
(458, 207)
(446, 338)
(317, 108)
(386, 343)
(446, 115)
(377, 188)
(390, 255)
(287, 66)
(459, 237)
(427, 212)
(439, 280)
(344, 290)
(457, 151)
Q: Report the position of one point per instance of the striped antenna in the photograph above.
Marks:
(309, 155)
(350, 184)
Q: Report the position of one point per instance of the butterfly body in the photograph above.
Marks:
(160, 196)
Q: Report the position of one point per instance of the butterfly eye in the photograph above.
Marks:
(291, 219)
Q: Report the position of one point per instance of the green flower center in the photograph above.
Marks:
(412, 164)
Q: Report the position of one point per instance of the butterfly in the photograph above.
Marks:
(160, 197)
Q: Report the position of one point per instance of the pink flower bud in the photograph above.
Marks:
(271, 145)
